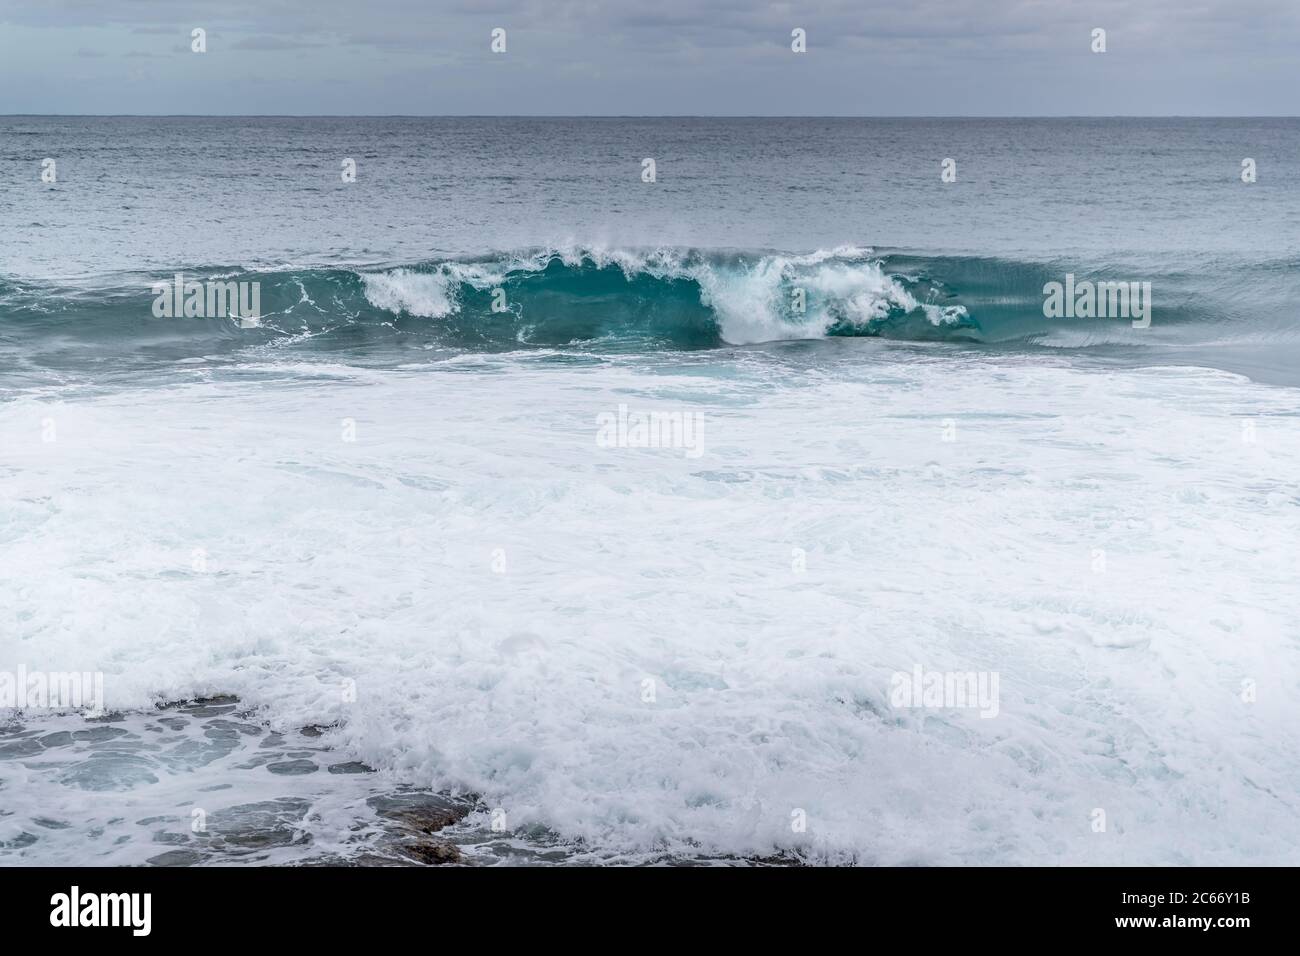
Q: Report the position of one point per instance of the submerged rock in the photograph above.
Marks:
(432, 852)
(175, 858)
(256, 826)
(422, 811)
(350, 766)
(290, 813)
(292, 767)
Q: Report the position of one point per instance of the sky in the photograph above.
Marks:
(668, 57)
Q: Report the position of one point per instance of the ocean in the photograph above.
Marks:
(614, 480)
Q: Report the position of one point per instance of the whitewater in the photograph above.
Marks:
(372, 561)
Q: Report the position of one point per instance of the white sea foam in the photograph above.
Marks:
(426, 294)
(524, 678)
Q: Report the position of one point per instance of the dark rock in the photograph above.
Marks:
(351, 766)
(420, 810)
(432, 852)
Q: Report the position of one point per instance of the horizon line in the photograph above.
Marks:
(774, 116)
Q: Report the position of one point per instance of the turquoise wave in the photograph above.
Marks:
(611, 300)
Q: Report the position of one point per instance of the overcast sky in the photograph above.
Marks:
(731, 57)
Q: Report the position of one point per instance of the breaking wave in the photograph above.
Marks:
(622, 299)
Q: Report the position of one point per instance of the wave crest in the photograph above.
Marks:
(750, 297)
(622, 299)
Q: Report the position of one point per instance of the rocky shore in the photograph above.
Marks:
(203, 782)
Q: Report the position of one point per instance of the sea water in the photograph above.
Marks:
(625, 508)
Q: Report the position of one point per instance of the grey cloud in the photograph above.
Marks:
(930, 57)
